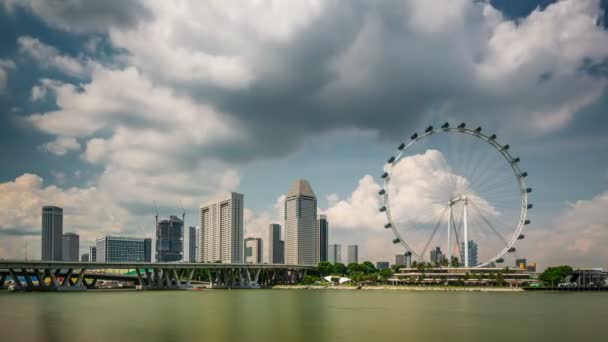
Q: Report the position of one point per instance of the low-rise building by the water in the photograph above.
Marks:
(458, 276)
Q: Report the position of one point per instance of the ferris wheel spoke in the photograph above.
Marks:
(435, 228)
(489, 224)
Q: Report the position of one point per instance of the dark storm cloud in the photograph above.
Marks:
(84, 15)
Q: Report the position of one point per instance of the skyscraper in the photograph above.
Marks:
(352, 254)
(436, 255)
(52, 233)
(404, 259)
(521, 264)
(323, 232)
(84, 257)
(192, 244)
(301, 230)
(170, 240)
(70, 246)
(472, 253)
(221, 232)
(253, 250)
(148, 250)
(120, 249)
(275, 244)
(93, 253)
(334, 253)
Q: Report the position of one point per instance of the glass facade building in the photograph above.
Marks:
(323, 242)
(120, 249)
(275, 244)
(52, 233)
(170, 240)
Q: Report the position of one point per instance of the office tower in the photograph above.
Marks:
(400, 259)
(70, 246)
(520, 263)
(531, 267)
(192, 244)
(170, 240)
(120, 249)
(301, 233)
(84, 257)
(275, 244)
(148, 250)
(52, 233)
(221, 232)
(382, 265)
(472, 253)
(352, 254)
(253, 250)
(323, 234)
(408, 259)
(436, 255)
(334, 253)
(93, 253)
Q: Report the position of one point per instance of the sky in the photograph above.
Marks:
(111, 108)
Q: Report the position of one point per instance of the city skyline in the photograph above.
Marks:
(260, 115)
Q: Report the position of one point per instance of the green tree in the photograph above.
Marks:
(325, 268)
(368, 267)
(355, 268)
(385, 274)
(309, 280)
(339, 269)
(396, 268)
(553, 275)
(455, 262)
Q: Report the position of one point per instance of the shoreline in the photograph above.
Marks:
(402, 288)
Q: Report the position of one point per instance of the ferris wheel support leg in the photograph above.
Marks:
(466, 234)
(449, 240)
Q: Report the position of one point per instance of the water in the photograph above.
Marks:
(302, 315)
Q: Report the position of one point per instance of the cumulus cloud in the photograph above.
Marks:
(49, 57)
(61, 146)
(83, 15)
(88, 211)
(577, 237)
(5, 64)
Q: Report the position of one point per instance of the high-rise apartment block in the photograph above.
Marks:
(301, 230)
(221, 229)
(52, 233)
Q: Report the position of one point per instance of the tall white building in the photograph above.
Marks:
(334, 253)
(301, 229)
(352, 254)
(221, 229)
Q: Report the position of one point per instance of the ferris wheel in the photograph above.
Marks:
(459, 190)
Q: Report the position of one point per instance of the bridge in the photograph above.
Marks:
(80, 276)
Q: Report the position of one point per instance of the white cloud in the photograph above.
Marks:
(87, 211)
(577, 237)
(4, 65)
(61, 146)
(49, 57)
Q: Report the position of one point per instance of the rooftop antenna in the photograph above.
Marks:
(183, 213)
(156, 207)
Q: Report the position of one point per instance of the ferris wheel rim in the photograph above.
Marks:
(476, 133)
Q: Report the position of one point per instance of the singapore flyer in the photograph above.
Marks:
(455, 197)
